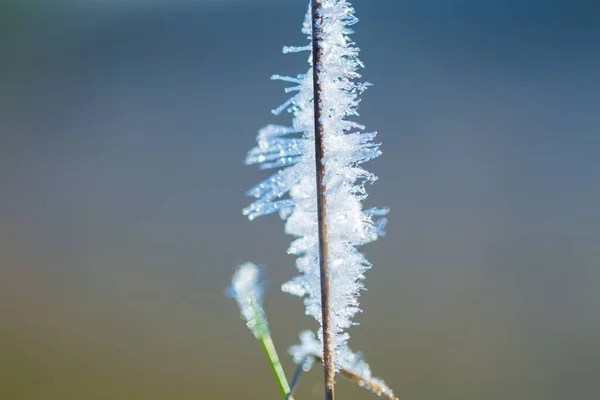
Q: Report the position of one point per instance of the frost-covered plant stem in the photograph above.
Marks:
(351, 365)
(319, 185)
(367, 384)
(317, 54)
(352, 376)
(247, 290)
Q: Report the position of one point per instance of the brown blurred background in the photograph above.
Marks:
(123, 129)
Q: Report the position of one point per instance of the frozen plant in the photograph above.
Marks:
(320, 184)
(247, 290)
(352, 365)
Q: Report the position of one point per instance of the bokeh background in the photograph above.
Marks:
(123, 129)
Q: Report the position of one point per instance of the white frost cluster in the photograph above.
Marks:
(291, 191)
(247, 290)
(309, 347)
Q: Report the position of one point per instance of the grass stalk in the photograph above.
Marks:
(271, 353)
(317, 56)
(264, 337)
(295, 380)
(369, 385)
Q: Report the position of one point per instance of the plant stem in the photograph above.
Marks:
(317, 58)
(372, 386)
(346, 373)
(269, 349)
(296, 379)
(264, 337)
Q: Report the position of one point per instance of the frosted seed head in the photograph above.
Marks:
(247, 290)
(291, 191)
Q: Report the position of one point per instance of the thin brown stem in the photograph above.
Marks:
(317, 57)
(346, 373)
(369, 385)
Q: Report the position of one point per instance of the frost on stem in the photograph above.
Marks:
(291, 191)
(247, 290)
(351, 364)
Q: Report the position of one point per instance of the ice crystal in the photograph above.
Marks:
(350, 363)
(247, 290)
(291, 191)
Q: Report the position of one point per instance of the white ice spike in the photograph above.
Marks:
(291, 191)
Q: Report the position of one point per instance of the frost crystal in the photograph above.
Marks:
(351, 364)
(291, 191)
(248, 292)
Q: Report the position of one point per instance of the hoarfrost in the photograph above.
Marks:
(292, 190)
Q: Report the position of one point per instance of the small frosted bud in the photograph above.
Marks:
(247, 290)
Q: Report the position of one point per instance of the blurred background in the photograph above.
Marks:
(123, 129)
